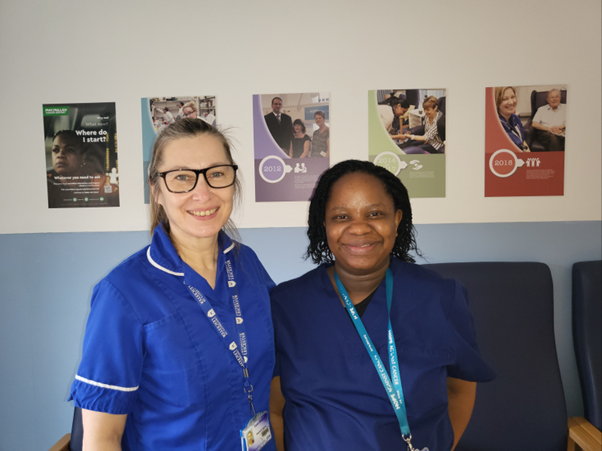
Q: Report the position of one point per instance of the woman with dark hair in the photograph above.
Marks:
(301, 142)
(168, 362)
(372, 351)
(433, 140)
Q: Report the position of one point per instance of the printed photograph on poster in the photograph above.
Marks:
(292, 144)
(80, 143)
(525, 132)
(407, 136)
(159, 112)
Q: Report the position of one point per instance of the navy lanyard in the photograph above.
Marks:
(239, 350)
(392, 384)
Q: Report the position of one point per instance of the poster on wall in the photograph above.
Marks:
(80, 143)
(525, 131)
(407, 136)
(291, 135)
(159, 112)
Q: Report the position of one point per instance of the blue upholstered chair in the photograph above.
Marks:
(73, 441)
(523, 409)
(587, 338)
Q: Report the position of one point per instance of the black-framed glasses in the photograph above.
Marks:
(185, 180)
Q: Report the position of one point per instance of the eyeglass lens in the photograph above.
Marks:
(216, 177)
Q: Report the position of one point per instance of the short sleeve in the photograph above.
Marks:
(538, 114)
(109, 374)
(468, 364)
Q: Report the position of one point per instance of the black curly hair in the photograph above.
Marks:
(318, 249)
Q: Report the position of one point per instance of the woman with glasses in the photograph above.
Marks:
(178, 351)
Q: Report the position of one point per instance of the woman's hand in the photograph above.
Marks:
(277, 402)
(102, 431)
(461, 396)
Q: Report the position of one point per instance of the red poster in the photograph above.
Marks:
(524, 141)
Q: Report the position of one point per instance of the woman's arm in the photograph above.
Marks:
(327, 147)
(305, 149)
(290, 150)
(102, 431)
(415, 137)
(277, 402)
(461, 396)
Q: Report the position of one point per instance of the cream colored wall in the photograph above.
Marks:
(78, 51)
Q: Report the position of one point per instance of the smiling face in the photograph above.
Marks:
(298, 128)
(430, 112)
(319, 119)
(554, 98)
(399, 110)
(201, 213)
(276, 105)
(189, 112)
(67, 156)
(361, 224)
(508, 103)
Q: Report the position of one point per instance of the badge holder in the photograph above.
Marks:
(256, 433)
(408, 440)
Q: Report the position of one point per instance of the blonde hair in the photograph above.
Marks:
(192, 105)
(499, 94)
(184, 128)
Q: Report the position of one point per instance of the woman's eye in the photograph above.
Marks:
(182, 177)
(216, 174)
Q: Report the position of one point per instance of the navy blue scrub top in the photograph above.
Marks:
(151, 353)
(334, 397)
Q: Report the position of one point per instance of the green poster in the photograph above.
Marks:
(406, 149)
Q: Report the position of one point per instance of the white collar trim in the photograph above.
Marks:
(158, 266)
(230, 248)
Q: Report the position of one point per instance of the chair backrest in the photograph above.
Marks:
(540, 98)
(77, 431)
(441, 107)
(587, 337)
(524, 407)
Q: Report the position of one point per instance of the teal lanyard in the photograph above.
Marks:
(392, 384)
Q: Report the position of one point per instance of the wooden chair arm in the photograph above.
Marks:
(62, 444)
(584, 434)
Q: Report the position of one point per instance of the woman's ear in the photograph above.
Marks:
(398, 217)
(155, 192)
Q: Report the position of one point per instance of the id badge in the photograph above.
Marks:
(323, 154)
(256, 433)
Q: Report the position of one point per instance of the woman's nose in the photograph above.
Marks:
(359, 227)
(202, 189)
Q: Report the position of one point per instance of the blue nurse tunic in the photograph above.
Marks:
(150, 351)
(334, 397)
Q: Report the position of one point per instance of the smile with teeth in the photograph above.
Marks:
(203, 213)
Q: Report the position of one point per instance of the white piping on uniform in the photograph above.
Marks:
(98, 384)
(229, 249)
(156, 265)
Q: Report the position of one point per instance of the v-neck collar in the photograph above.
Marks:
(374, 315)
(163, 256)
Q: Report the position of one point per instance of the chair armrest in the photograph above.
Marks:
(584, 434)
(62, 444)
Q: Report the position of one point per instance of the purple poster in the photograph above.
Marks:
(292, 144)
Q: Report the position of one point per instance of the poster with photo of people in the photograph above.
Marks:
(291, 144)
(80, 144)
(525, 132)
(159, 112)
(406, 135)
